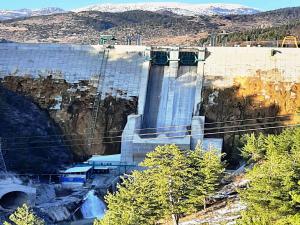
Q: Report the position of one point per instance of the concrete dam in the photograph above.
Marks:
(176, 89)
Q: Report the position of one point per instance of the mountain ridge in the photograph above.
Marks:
(23, 13)
(184, 9)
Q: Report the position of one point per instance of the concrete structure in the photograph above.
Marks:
(224, 64)
(169, 115)
(13, 195)
(169, 96)
(121, 78)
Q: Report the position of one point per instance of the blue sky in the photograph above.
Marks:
(71, 4)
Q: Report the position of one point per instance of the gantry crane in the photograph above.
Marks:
(290, 40)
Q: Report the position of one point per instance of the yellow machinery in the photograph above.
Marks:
(290, 40)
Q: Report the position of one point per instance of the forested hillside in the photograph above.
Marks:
(155, 27)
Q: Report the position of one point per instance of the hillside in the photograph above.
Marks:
(155, 28)
(270, 36)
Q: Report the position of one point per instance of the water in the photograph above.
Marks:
(177, 102)
(93, 207)
(170, 101)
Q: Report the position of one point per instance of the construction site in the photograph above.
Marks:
(104, 107)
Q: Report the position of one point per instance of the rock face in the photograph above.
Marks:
(31, 140)
(70, 106)
(247, 100)
(56, 204)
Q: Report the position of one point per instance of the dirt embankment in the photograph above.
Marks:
(263, 95)
(70, 106)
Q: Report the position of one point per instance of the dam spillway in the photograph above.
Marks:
(153, 97)
(182, 89)
(169, 101)
(167, 113)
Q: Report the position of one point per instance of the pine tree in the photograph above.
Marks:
(135, 203)
(208, 170)
(175, 182)
(273, 196)
(24, 216)
(172, 165)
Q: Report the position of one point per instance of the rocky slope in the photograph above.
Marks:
(31, 141)
(155, 27)
(70, 106)
(225, 207)
(259, 96)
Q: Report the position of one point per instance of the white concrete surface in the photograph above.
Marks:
(122, 76)
(227, 63)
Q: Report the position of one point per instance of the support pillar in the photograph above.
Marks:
(199, 81)
(144, 82)
(170, 80)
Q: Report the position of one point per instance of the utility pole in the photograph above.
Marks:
(2, 162)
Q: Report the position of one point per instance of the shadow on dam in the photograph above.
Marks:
(153, 97)
(169, 101)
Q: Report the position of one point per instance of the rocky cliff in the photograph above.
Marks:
(265, 94)
(31, 141)
(70, 107)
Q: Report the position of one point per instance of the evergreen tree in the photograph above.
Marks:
(273, 196)
(136, 202)
(24, 216)
(174, 182)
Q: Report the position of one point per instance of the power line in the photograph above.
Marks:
(160, 138)
(141, 129)
(293, 125)
(155, 133)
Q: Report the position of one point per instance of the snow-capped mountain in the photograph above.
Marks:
(12, 14)
(184, 9)
(174, 7)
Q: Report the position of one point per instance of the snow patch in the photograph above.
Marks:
(185, 9)
(13, 14)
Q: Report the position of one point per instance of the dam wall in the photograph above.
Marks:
(121, 77)
(224, 83)
(126, 69)
(223, 64)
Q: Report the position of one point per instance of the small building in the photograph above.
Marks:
(77, 175)
(105, 163)
(107, 39)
